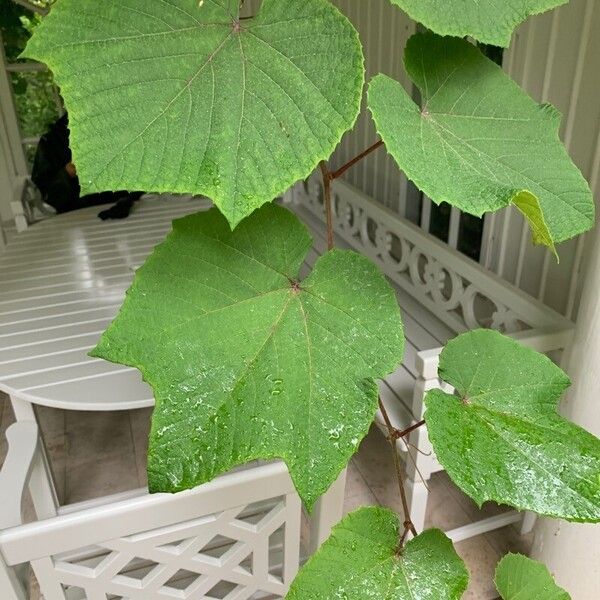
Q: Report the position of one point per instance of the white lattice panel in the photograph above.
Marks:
(236, 554)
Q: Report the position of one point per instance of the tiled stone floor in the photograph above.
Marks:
(95, 454)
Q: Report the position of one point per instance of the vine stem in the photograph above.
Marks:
(408, 524)
(327, 178)
(401, 433)
(393, 433)
(356, 159)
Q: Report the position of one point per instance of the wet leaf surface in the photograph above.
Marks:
(521, 578)
(501, 437)
(360, 561)
(248, 362)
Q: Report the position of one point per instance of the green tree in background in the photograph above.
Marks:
(34, 91)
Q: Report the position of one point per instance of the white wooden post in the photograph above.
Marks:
(419, 460)
(41, 482)
(11, 586)
(572, 551)
(327, 512)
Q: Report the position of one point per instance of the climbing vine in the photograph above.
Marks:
(247, 359)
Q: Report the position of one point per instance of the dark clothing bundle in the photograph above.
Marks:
(59, 189)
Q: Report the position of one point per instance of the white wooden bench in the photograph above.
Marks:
(441, 293)
(235, 538)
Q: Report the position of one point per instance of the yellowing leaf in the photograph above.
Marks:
(478, 141)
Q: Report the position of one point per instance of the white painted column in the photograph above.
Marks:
(571, 550)
(328, 511)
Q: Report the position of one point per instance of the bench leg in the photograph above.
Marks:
(529, 519)
(327, 512)
(416, 495)
(11, 585)
(41, 482)
(19, 216)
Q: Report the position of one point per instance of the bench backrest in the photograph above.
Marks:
(236, 537)
(457, 290)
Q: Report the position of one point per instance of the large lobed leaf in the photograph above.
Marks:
(501, 437)
(521, 578)
(361, 560)
(489, 21)
(247, 362)
(478, 141)
(183, 96)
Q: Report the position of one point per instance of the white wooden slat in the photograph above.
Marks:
(60, 288)
(43, 265)
(63, 374)
(74, 270)
(70, 234)
(74, 275)
(56, 322)
(103, 291)
(88, 247)
(28, 364)
(148, 207)
(87, 224)
(33, 338)
(78, 233)
(122, 390)
(62, 237)
(70, 308)
(32, 352)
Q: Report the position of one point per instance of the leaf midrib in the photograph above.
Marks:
(513, 188)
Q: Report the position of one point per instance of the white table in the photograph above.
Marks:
(62, 282)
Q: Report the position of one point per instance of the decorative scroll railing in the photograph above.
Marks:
(456, 289)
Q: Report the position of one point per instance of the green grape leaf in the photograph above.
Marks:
(248, 362)
(479, 142)
(184, 96)
(501, 437)
(361, 560)
(521, 578)
(488, 21)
